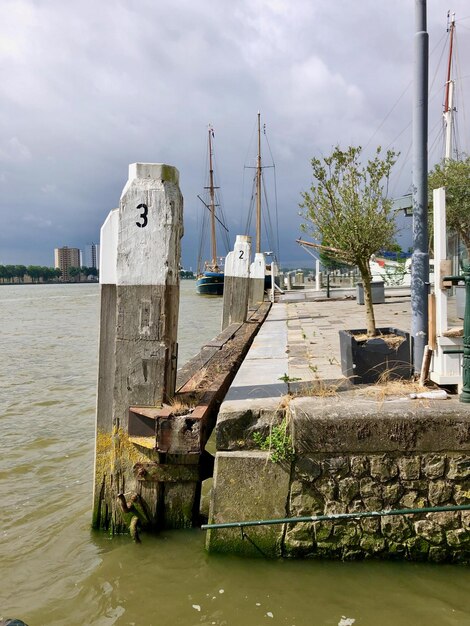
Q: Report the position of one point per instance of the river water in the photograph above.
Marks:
(55, 571)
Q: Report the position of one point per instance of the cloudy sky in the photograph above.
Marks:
(90, 86)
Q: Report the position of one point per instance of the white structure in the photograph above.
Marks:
(445, 368)
(257, 273)
(237, 282)
(108, 248)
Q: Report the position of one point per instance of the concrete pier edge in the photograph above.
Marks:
(354, 449)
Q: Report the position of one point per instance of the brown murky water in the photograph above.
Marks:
(55, 571)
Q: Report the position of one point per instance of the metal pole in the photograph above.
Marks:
(258, 189)
(272, 280)
(420, 258)
(212, 204)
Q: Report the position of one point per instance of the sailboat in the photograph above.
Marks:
(453, 239)
(210, 277)
(258, 186)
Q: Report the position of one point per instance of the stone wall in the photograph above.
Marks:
(352, 454)
(352, 483)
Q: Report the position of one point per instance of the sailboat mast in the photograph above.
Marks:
(448, 103)
(212, 200)
(258, 189)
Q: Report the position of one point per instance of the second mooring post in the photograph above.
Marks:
(237, 282)
(138, 337)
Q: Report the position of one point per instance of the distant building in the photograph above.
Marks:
(66, 257)
(92, 255)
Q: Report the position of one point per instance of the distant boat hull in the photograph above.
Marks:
(210, 284)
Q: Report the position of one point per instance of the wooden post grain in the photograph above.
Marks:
(140, 250)
(257, 274)
(236, 282)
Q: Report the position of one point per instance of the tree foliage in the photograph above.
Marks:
(347, 206)
(37, 273)
(329, 260)
(454, 175)
(73, 271)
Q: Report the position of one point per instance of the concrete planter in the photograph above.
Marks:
(366, 361)
(378, 292)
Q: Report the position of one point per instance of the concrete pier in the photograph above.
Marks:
(368, 448)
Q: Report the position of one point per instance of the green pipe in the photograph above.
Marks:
(338, 516)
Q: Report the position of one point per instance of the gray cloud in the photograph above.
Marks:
(89, 87)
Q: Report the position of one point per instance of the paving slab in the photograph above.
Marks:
(266, 362)
(300, 338)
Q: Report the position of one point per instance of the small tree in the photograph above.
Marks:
(454, 175)
(328, 260)
(347, 206)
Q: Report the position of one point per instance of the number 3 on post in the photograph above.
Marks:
(143, 215)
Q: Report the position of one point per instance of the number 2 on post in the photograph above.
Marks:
(241, 254)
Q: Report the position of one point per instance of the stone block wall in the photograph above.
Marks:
(351, 455)
(247, 486)
(373, 482)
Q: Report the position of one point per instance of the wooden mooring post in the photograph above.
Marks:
(151, 426)
(257, 274)
(237, 282)
(140, 252)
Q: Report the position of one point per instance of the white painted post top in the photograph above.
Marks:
(237, 262)
(150, 226)
(108, 248)
(258, 267)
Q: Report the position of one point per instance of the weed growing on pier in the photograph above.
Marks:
(183, 403)
(322, 389)
(288, 380)
(278, 442)
(385, 388)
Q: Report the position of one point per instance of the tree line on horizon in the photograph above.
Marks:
(41, 273)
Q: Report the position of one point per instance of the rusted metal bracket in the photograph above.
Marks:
(166, 431)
